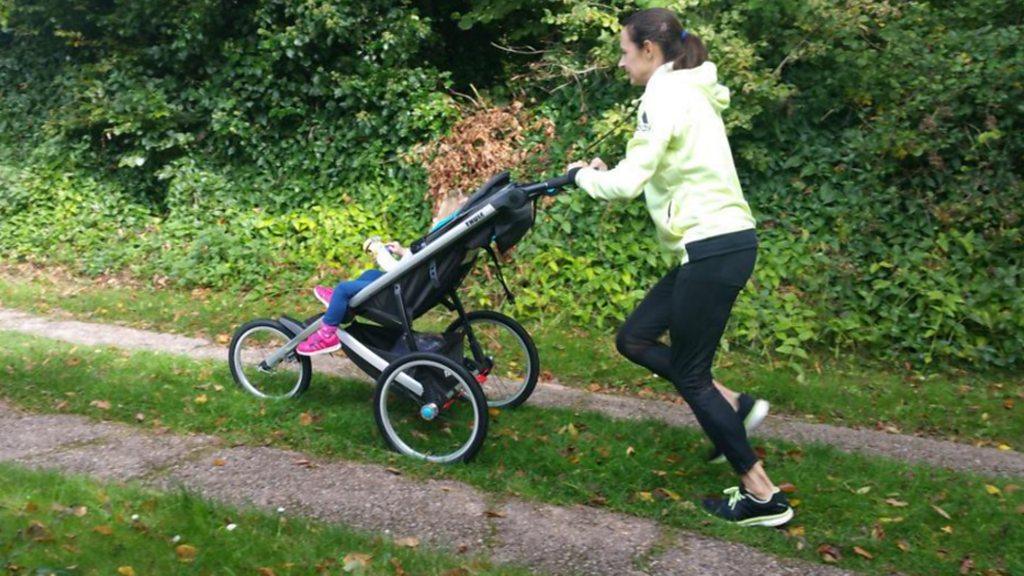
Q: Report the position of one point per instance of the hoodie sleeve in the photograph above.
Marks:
(644, 152)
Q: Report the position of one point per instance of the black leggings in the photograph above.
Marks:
(693, 303)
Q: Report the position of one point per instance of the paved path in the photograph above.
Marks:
(907, 448)
(445, 515)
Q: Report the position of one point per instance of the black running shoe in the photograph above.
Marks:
(742, 508)
(752, 411)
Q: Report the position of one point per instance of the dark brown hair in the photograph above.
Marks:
(661, 27)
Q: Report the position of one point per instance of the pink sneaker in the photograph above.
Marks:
(320, 342)
(323, 294)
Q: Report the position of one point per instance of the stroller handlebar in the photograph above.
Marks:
(550, 187)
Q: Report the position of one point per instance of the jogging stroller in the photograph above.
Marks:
(433, 390)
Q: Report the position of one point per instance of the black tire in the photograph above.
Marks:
(498, 394)
(278, 384)
(395, 407)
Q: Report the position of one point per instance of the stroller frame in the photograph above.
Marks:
(447, 262)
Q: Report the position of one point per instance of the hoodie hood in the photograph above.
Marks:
(703, 78)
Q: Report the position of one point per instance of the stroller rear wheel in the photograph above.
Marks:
(252, 343)
(445, 423)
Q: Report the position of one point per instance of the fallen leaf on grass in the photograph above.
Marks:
(219, 462)
(305, 419)
(355, 561)
(185, 553)
(992, 490)
(37, 532)
(863, 553)
(394, 471)
(877, 532)
(645, 496)
(829, 553)
(264, 571)
(223, 338)
(941, 512)
(126, 571)
(139, 417)
(399, 569)
(787, 487)
(1020, 509)
(903, 545)
(895, 502)
(795, 531)
(101, 404)
(409, 542)
(630, 451)
(103, 529)
(666, 494)
(947, 529)
(201, 399)
(494, 514)
(1004, 447)
(966, 565)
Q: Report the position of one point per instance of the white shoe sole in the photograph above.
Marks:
(769, 521)
(757, 415)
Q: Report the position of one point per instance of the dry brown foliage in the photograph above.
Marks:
(484, 142)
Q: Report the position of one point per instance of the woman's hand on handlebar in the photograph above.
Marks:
(596, 163)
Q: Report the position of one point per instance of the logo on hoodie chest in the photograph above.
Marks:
(643, 125)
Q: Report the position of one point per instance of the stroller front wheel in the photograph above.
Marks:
(252, 343)
(506, 364)
(445, 423)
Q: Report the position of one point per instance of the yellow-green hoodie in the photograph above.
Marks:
(680, 158)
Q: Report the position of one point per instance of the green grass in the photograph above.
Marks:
(984, 409)
(562, 457)
(53, 524)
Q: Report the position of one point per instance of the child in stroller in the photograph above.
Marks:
(325, 339)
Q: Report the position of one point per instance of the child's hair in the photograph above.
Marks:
(659, 25)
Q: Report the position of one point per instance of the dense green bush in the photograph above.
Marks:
(255, 144)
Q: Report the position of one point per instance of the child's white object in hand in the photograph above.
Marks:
(382, 253)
